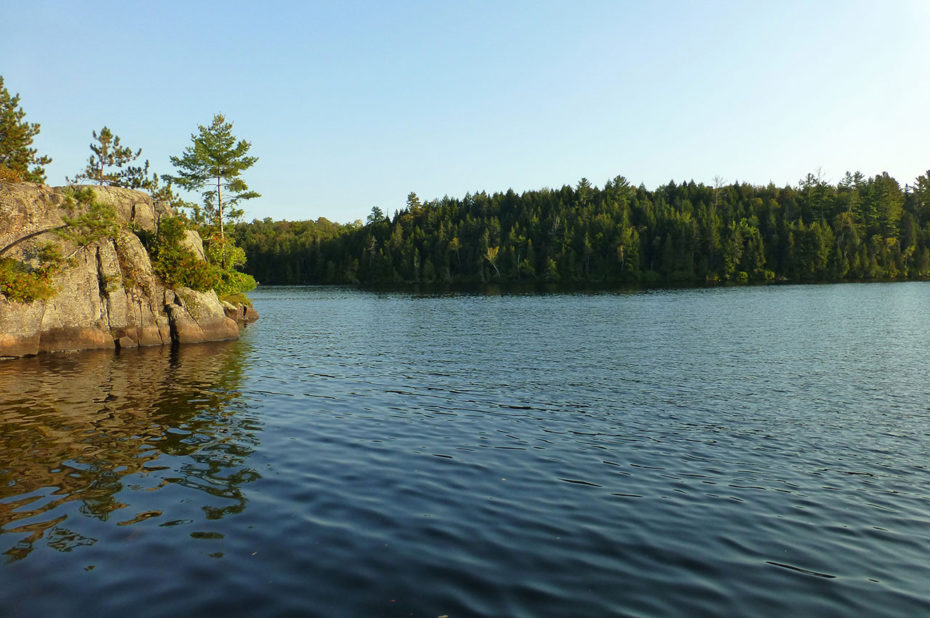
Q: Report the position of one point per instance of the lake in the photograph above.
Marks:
(730, 451)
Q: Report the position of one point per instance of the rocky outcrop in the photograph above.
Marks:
(242, 314)
(108, 295)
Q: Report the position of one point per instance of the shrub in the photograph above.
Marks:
(99, 221)
(172, 261)
(8, 175)
(237, 299)
(231, 282)
(178, 265)
(23, 284)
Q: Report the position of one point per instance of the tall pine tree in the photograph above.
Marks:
(212, 164)
(18, 160)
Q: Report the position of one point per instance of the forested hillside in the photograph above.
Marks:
(859, 229)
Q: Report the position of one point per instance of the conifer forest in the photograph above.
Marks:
(861, 228)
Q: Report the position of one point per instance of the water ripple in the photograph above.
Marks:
(702, 452)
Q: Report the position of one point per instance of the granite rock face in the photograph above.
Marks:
(108, 295)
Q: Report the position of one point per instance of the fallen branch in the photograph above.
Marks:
(28, 236)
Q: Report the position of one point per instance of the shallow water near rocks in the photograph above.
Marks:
(740, 451)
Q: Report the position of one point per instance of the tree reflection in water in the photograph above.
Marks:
(120, 439)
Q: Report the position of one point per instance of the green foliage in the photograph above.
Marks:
(224, 257)
(297, 252)
(96, 222)
(212, 164)
(19, 282)
(161, 189)
(232, 282)
(108, 163)
(75, 196)
(220, 250)
(376, 216)
(860, 229)
(24, 283)
(237, 299)
(18, 160)
(176, 264)
(172, 261)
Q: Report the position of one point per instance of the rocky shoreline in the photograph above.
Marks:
(108, 294)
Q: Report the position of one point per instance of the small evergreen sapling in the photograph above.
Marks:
(109, 163)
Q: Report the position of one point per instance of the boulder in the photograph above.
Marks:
(242, 314)
(205, 310)
(132, 207)
(194, 242)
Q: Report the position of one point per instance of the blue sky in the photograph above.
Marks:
(352, 104)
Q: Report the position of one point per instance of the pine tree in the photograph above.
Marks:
(17, 158)
(922, 198)
(212, 164)
(106, 165)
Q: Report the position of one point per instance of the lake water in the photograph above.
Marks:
(736, 451)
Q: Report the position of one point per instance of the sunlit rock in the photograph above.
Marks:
(107, 293)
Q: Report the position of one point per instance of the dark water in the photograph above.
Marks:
(754, 451)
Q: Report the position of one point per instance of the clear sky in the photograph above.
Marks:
(352, 104)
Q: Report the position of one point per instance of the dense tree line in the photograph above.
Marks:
(858, 229)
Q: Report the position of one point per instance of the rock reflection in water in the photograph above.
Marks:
(96, 435)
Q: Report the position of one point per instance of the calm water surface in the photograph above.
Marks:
(751, 451)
